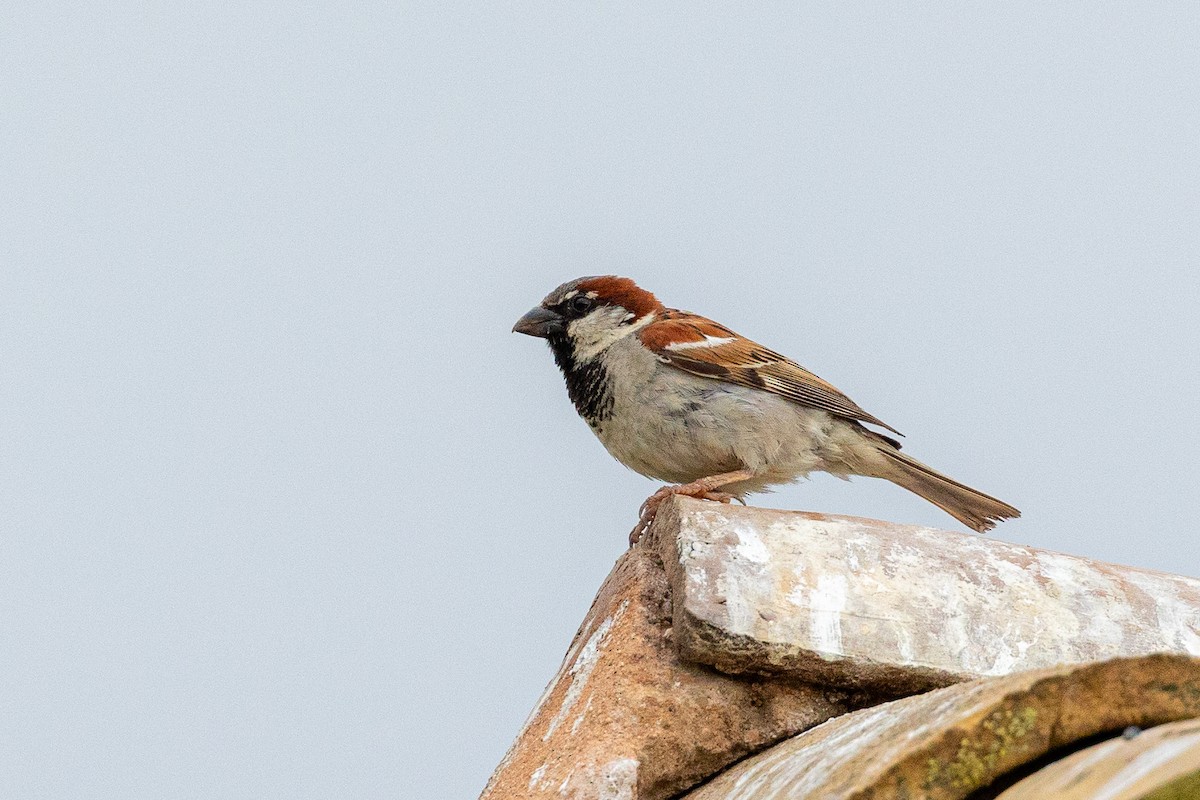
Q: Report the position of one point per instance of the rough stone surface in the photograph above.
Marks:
(853, 602)
(1162, 763)
(625, 719)
(951, 742)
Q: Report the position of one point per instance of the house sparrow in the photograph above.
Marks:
(683, 399)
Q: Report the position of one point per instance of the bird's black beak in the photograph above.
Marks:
(540, 322)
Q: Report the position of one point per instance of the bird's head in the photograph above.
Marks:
(586, 316)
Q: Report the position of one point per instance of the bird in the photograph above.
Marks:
(682, 399)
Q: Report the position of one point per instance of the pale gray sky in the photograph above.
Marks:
(288, 512)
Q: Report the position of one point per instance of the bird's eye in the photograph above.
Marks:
(581, 304)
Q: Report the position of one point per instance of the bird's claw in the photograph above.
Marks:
(649, 508)
(650, 504)
(635, 535)
(647, 511)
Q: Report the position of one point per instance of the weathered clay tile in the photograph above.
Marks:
(1162, 763)
(626, 719)
(950, 742)
(852, 602)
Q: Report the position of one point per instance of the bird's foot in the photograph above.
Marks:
(701, 490)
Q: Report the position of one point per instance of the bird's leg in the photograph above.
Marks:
(704, 489)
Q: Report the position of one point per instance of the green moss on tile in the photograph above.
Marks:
(1184, 788)
(974, 764)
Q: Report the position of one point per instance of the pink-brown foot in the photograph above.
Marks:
(701, 489)
(647, 511)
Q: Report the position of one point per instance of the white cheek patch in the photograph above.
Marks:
(598, 330)
(708, 341)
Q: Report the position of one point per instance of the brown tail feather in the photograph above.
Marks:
(971, 507)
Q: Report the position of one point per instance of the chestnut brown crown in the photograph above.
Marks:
(578, 298)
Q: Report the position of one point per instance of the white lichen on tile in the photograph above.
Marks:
(827, 604)
(619, 780)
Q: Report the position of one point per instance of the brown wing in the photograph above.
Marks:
(702, 347)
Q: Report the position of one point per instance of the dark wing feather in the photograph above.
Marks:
(738, 360)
